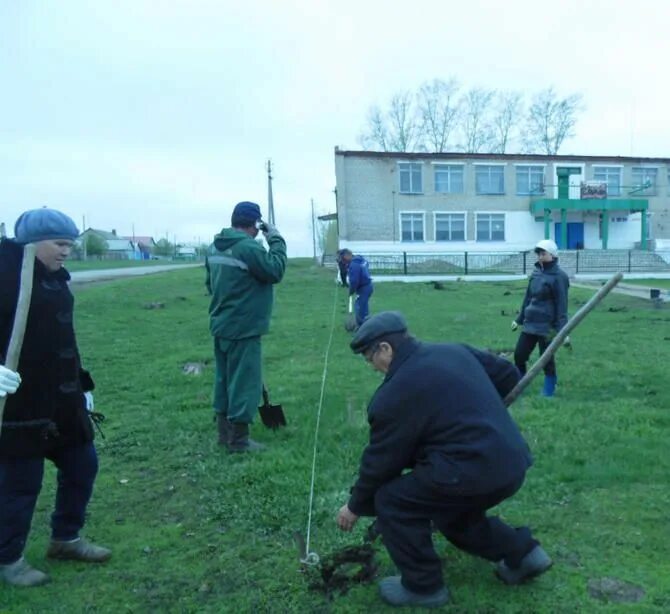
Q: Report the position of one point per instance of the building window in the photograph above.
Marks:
(529, 180)
(490, 179)
(410, 177)
(448, 178)
(450, 226)
(644, 181)
(411, 226)
(611, 175)
(490, 226)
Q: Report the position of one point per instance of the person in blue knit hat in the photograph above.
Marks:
(240, 278)
(48, 400)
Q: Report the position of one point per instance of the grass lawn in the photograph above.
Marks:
(90, 265)
(650, 283)
(196, 530)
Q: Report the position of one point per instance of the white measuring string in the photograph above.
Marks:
(312, 558)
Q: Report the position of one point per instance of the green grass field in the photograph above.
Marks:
(196, 530)
(650, 283)
(91, 265)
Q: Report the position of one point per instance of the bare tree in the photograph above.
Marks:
(399, 129)
(375, 135)
(475, 124)
(439, 112)
(508, 112)
(551, 120)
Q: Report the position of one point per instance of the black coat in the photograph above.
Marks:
(440, 412)
(48, 410)
(545, 305)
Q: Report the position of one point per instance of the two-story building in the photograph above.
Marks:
(422, 202)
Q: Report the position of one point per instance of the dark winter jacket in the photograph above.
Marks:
(440, 412)
(48, 410)
(358, 274)
(240, 275)
(545, 306)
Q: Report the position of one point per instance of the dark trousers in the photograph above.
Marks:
(524, 348)
(361, 307)
(406, 510)
(20, 484)
(342, 266)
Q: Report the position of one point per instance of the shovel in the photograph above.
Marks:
(350, 322)
(272, 416)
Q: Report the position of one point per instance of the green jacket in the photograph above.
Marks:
(240, 274)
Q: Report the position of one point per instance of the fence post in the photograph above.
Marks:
(466, 263)
(629, 261)
(577, 262)
(524, 262)
(404, 263)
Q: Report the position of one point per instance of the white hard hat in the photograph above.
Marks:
(548, 246)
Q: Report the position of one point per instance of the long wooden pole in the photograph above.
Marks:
(20, 316)
(560, 338)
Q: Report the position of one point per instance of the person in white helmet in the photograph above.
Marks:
(544, 311)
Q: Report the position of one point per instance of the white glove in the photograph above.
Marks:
(514, 325)
(567, 342)
(9, 381)
(269, 231)
(88, 396)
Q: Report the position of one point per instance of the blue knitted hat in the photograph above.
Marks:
(245, 214)
(43, 224)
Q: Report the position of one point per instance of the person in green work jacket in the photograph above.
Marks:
(240, 276)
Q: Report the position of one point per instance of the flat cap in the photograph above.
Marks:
(384, 323)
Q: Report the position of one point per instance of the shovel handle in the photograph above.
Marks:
(266, 396)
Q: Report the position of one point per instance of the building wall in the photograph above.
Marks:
(370, 203)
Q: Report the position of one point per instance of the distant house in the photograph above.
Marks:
(144, 246)
(186, 253)
(118, 248)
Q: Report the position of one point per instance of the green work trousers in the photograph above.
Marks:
(238, 384)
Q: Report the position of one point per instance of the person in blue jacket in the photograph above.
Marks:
(443, 450)
(544, 311)
(360, 284)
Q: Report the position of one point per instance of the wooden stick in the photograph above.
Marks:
(560, 337)
(20, 315)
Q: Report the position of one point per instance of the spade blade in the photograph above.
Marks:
(272, 416)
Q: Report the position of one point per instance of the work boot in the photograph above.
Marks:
(239, 439)
(536, 562)
(20, 573)
(78, 550)
(549, 386)
(393, 592)
(225, 429)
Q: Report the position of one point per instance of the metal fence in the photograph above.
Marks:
(513, 263)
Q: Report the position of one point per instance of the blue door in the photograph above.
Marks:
(575, 235)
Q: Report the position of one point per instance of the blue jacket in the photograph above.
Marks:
(440, 411)
(545, 306)
(359, 274)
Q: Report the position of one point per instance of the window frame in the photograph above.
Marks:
(410, 164)
(464, 214)
(423, 226)
(617, 167)
(490, 213)
(450, 166)
(543, 167)
(490, 165)
(651, 191)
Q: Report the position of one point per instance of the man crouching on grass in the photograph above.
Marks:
(439, 412)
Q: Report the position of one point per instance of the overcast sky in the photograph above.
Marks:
(161, 114)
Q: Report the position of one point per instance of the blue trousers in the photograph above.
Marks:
(361, 305)
(20, 484)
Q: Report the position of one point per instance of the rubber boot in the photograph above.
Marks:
(549, 386)
(78, 550)
(535, 563)
(225, 429)
(239, 439)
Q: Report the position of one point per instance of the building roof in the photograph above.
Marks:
(457, 155)
(141, 240)
(102, 233)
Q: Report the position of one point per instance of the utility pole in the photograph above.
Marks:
(271, 207)
(313, 230)
(83, 243)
